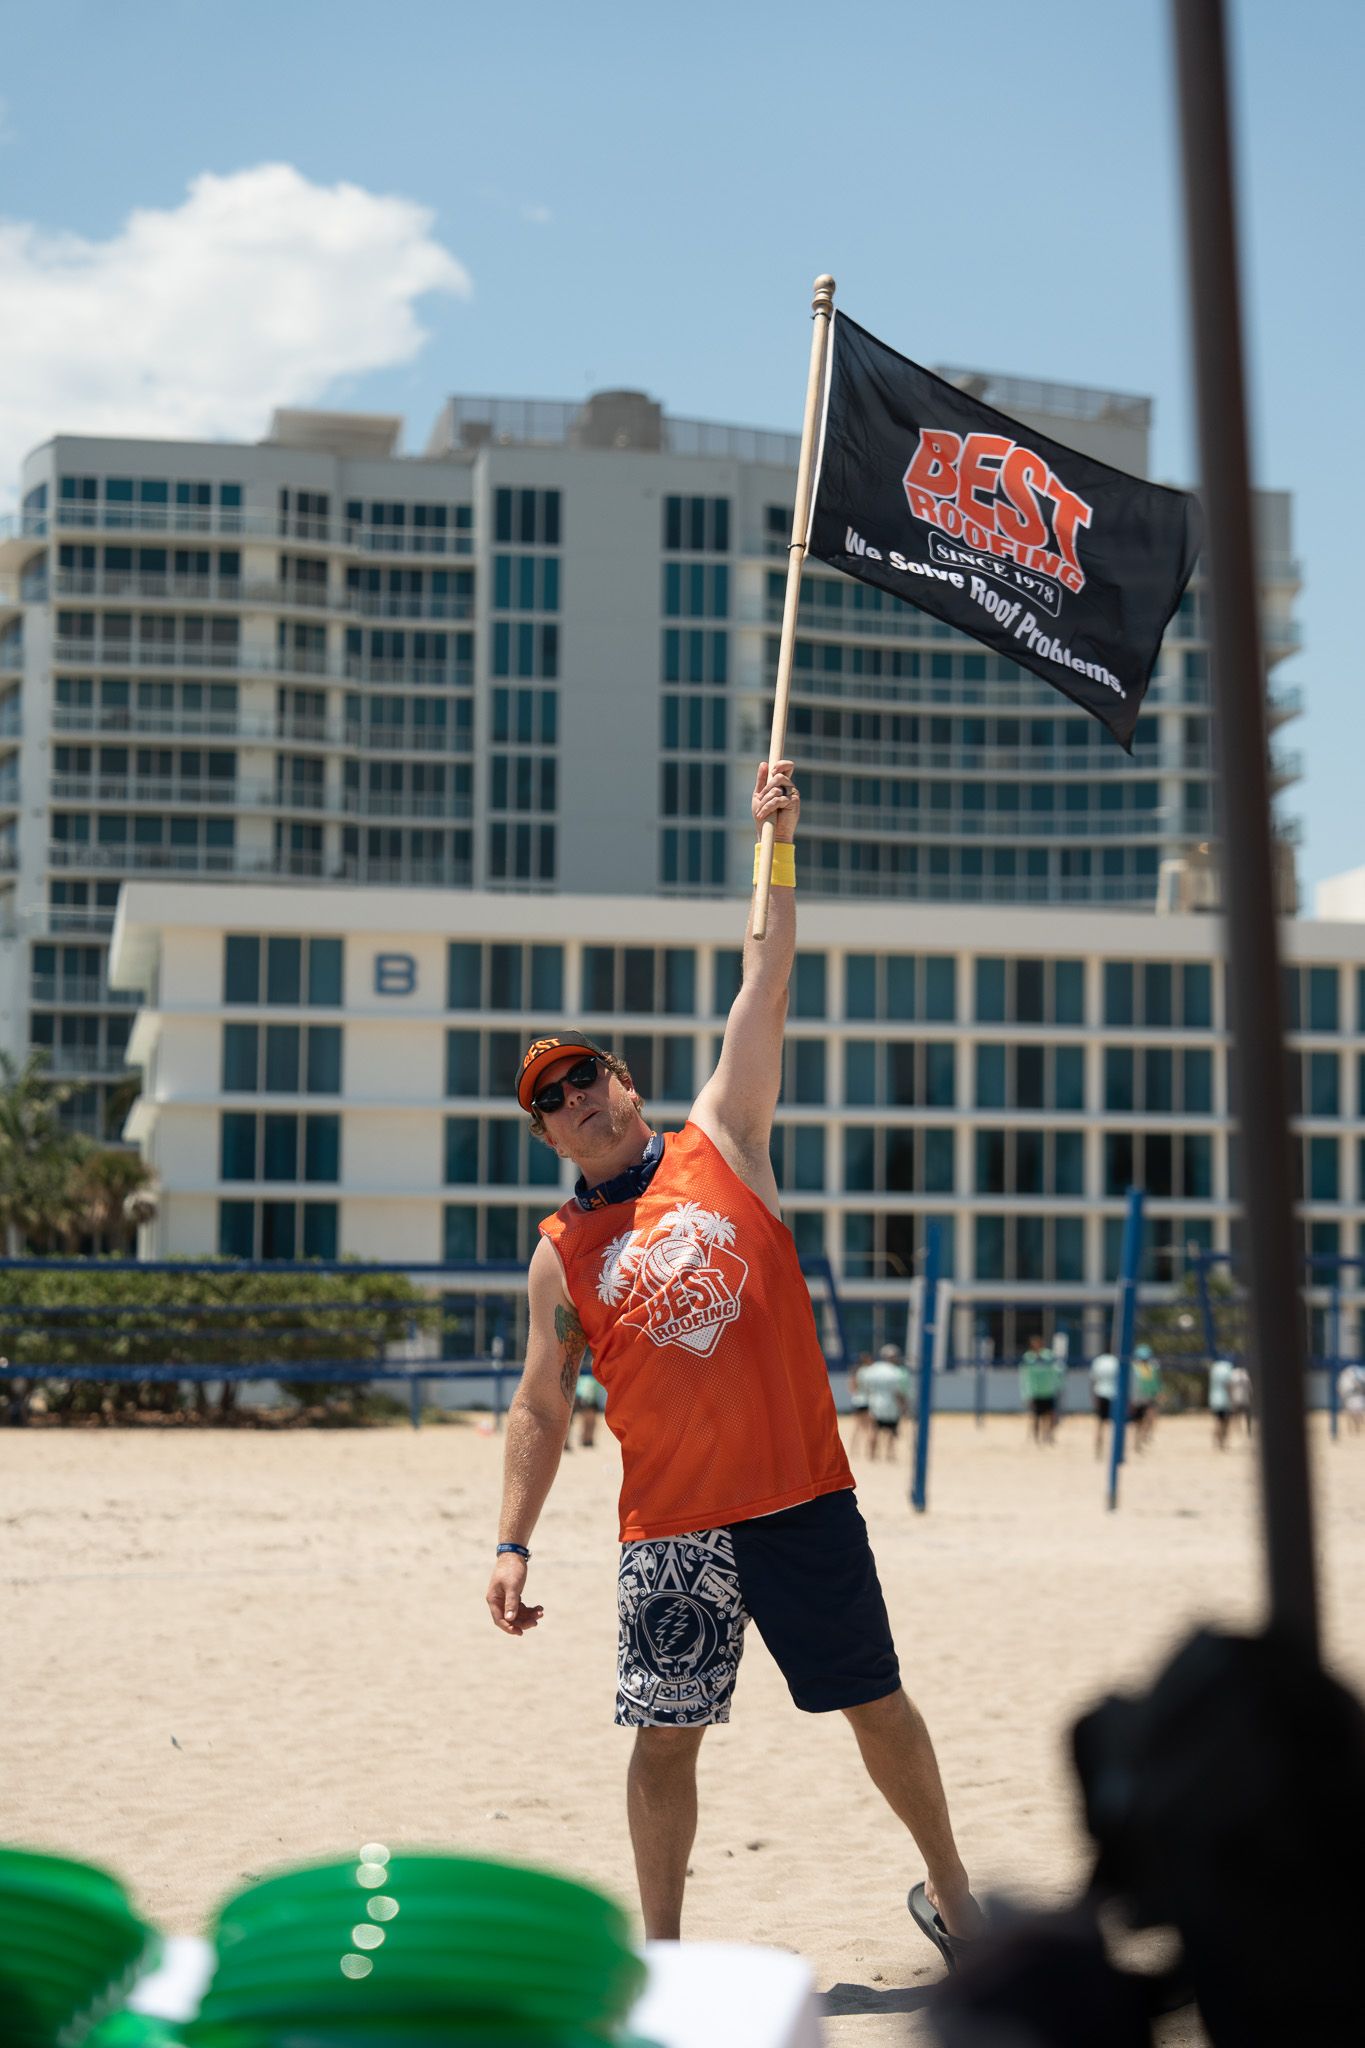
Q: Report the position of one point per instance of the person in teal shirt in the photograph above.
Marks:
(1040, 1383)
(1146, 1396)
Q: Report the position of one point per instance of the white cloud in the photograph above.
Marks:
(539, 216)
(259, 289)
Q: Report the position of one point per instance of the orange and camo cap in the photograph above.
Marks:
(542, 1053)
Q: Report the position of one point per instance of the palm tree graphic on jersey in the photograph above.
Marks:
(680, 1278)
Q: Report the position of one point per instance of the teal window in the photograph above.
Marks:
(504, 977)
(939, 1176)
(940, 1074)
(1324, 1085)
(1068, 1169)
(324, 1059)
(990, 1077)
(808, 1158)
(240, 1055)
(1118, 1077)
(464, 976)
(1197, 1167)
(990, 1247)
(1068, 1090)
(808, 987)
(461, 1151)
(322, 1148)
(237, 1146)
(860, 1151)
(900, 987)
(547, 979)
(680, 981)
(280, 1147)
(1118, 992)
(808, 1070)
(1068, 1247)
(503, 1137)
(241, 969)
(319, 1230)
(990, 991)
(1157, 993)
(324, 973)
(279, 1230)
(236, 1229)
(1324, 1180)
(1198, 1082)
(1197, 995)
(860, 1072)
(462, 1063)
(282, 1059)
(1118, 1162)
(460, 1232)
(678, 1069)
(283, 970)
(1069, 995)
(940, 988)
(808, 1232)
(1158, 1079)
(1323, 999)
(860, 985)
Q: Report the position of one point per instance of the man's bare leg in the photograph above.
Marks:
(900, 1761)
(661, 1801)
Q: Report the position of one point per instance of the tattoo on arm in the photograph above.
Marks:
(573, 1343)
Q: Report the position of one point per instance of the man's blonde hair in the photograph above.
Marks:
(614, 1066)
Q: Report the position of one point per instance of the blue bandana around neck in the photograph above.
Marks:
(622, 1187)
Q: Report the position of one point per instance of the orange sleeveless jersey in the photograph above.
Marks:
(701, 1330)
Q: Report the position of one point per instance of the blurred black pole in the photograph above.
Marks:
(1248, 872)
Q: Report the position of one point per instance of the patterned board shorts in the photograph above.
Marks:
(805, 1576)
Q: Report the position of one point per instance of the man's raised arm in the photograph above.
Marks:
(735, 1108)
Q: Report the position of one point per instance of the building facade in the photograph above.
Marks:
(536, 658)
(330, 1072)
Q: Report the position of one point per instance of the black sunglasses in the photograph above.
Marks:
(547, 1100)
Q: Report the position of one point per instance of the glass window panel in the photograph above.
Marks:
(809, 1070)
(1068, 1077)
(283, 966)
(1029, 1147)
(319, 1230)
(900, 986)
(860, 1142)
(1030, 1258)
(1157, 993)
(680, 981)
(462, 1063)
(322, 1148)
(542, 1165)
(1324, 1180)
(237, 1230)
(461, 1150)
(678, 1069)
(1068, 1247)
(940, 1075)
(939, 1176)
(729, 968)
(504, 977)
(1029, 978)
(460, 1232)
(282, 1059)
(990, 1147)
(1322, 998)
(1118, 1162)
(279, 1230)
(808, 1232)
(1198, 1082)
(990, 992)
(808, 1158)
(1324, 1087)
(1068, 1163)
(808, 991)
(324, 973)
(990, 1077)
(464, 977)
(1158, 1082)
(858, 1247)
(499, 1232)
(241, 1052)
(324, 1059)
(639, 980)
(1029, 1068)
(940, 988)
(902, 1063)
(1197, 996)
(599, 977)
(899, 1155)
(241, 969)
(860, 985)
(1069, 992)
(1198, 1167)
(1118, 1077)
(547, 979)
(990, 1247)
(280, 1147)
(860, 1071)
(1118, 992)
(1113, 1246)
(504, 1151)
(237, 1145)
(1159, 1165)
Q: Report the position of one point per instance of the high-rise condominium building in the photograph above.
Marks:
(538, 656)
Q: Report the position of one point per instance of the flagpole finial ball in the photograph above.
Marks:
(823, 301)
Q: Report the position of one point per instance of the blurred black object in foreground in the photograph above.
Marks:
(1229, 1804)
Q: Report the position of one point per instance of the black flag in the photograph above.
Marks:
(1066, 566)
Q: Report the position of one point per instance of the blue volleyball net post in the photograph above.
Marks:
(928, 1333)
(1125, 1316)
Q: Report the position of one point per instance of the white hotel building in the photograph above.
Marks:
(331, 1071)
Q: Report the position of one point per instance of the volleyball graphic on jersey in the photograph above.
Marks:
(682, 1279)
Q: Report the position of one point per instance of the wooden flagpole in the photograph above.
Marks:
(822, 306)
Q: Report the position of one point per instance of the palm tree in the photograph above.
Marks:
(109, 1192)
(36, 1151)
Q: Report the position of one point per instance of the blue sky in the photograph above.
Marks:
(540, 200)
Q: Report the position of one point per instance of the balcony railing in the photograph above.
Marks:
(200, 860)
(96, 1060)
(919, 821)
(81, 991)
(123, 789)
(372, 803)
(235, 522)
(61, 920)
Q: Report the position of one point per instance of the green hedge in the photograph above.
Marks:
(136, 1325)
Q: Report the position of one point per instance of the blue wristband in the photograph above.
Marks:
(517, 1550)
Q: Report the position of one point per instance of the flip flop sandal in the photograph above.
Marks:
(953, 1948)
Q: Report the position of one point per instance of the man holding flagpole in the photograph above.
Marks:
(671, 1262)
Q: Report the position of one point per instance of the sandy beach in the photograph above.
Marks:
(228, 1650)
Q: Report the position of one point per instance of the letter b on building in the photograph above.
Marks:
(395, 974)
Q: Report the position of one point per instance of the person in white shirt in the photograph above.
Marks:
(1351, 1396)
(1104, 1386)
(1239, 1394)
(1220, 1399)
(886, 1384)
